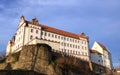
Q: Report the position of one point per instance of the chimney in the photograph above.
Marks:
(35, 21)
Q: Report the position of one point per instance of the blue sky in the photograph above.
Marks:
(99, 19)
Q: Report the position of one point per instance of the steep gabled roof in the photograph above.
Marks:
(58, 31)
(102, 46)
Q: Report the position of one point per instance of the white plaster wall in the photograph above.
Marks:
(97, 47)
(54, 45)
(8, 48)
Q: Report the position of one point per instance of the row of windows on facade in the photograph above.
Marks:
(67, 45)
(58, 36)
(69, 51)
(72, 46)
(82, 56)
(74, 52)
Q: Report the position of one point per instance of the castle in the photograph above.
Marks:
(76, 45)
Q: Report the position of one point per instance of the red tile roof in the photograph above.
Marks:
(95, 51)
(117, 69)
(58, 31)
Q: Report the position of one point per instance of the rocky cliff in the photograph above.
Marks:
(41, 59)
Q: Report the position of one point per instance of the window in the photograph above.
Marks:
(49, 34)
(31, 30)
(82, 42)
(55, 36)
(73, 40)
(64, 38)
(85, 42)
(67, 39)
(98, 60)
(31, 37)
(65, 50)
(68, 44)
(52, 35)
(36, 31)
(42, 33)
(68, 51)
(58, 37)
(64, 44)
(45, 34)
(61, 38)
(82, 47)
(76, 46)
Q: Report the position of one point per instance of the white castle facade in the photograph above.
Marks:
(62, 41)
(76, 45)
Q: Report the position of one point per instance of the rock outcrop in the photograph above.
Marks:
(41, 59)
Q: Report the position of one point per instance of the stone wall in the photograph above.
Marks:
(41, 59)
